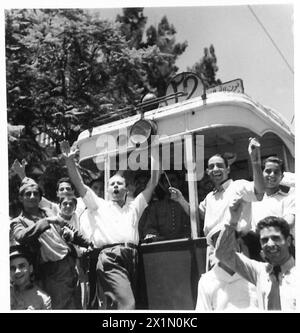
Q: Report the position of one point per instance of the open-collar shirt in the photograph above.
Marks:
(215, 207)
(259, 273)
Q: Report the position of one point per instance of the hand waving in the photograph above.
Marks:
(254, 150)
(67, 151)
(19, 168)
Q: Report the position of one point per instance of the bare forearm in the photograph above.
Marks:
(155, 175)
(75, 176)
(23, 234)
(226, 247)
(258, 178)
(185, 205)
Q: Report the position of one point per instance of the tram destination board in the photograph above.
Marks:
(235, 86)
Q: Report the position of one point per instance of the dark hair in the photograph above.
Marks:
(93, 181)
(276, 222)
(17, 250)
(251, 241)
(63, 197)
(223, 157)
(120, 174)
(64, 180)
(273, 159)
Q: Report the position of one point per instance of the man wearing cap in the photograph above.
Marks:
(275, 279)
(25, 295)
(113, 227)
(42, 233)
(64, 186)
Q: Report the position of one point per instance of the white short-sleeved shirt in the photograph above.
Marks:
(215, 206)
(220, 291)
(105, 222)
(279, 204)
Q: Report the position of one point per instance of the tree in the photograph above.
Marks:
(162, 40)
(67, 72)
(133, 23)
(207, 68)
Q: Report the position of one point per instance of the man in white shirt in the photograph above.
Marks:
(113, 227)
(276, 279)
(222, 289)
(275, 201)
(214, 208)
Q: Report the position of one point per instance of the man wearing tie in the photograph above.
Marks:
(275, 279)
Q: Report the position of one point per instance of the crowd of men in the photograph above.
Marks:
(82, 252)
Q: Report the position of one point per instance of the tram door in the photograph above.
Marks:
(169, 270)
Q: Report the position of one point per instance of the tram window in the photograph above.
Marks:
(204, 186)
(240, 170)
(164, 218)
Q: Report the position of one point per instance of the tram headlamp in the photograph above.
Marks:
(141, 131)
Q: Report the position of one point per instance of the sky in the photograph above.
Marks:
(242, 47)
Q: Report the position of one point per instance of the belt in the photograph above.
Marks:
(131, 245)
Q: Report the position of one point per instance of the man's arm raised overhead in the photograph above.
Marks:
(68, 155)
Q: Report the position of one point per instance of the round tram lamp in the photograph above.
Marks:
(141, 131)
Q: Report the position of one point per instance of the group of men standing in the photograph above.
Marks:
(231, 212)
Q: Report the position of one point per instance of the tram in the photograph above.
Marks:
(201, 123)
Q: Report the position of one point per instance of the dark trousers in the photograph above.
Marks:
(117, 276)
(60, 280)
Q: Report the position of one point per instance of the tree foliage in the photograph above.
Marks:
(207, 68)
(68, 71)
(161, 69)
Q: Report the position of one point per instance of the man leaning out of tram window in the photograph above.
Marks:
(113, 227)
(221, 288)
(214, 208)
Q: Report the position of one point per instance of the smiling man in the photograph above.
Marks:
(25, 295)
(214, 208)
(42, 233)
(276, 279)
(275, 201)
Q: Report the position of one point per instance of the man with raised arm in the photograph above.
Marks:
(63, 187)
(214, 207)
(42, 234)
(275, 202)
(112, 225)
(276, 279)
